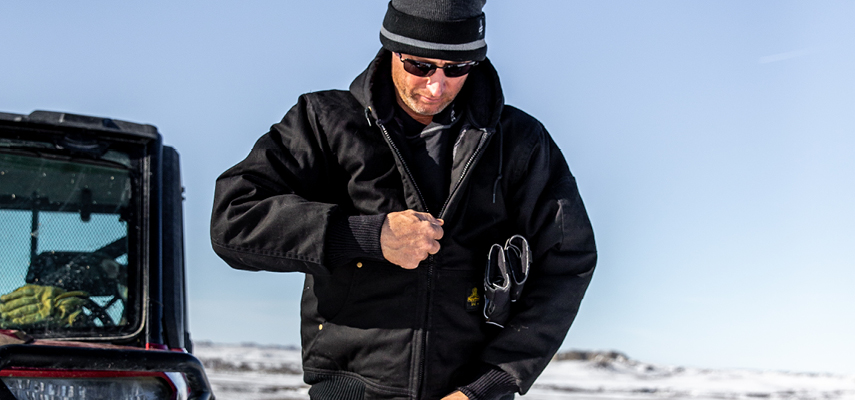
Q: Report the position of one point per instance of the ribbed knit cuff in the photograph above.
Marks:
(354, 237)
(494, 384)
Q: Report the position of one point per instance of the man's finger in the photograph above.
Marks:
(437, 232)
(409, 265)
(429, 218)
(434, 247)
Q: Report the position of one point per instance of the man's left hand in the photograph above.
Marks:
(457, 395)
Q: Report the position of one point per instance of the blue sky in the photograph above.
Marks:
(712, 142)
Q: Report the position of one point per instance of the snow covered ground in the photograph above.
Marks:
(250, 371)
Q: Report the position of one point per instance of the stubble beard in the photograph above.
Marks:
(422, 109)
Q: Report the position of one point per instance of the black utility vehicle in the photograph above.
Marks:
(92, 294)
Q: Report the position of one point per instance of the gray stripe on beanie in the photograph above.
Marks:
(431, 45)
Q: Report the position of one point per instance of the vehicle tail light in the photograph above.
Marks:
(94, 385)
(74, 389)
(43, 372)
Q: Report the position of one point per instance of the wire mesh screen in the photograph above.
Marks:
(63, 243)
(102, 274)
(14, 248)
(70, 254)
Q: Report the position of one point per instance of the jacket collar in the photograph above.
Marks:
(482, 93)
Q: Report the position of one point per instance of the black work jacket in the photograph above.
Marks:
(371, 329)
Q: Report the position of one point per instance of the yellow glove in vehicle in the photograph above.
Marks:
(31, 304)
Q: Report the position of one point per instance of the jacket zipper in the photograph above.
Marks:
(429, 296)
(429, 263)
(430, 260)
(465, 171)
(406, 169)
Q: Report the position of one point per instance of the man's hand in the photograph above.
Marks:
(408, 237)
(457, 395)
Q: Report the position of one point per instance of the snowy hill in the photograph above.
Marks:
(251, 371)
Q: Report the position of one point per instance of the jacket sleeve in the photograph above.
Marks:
(271, 211)
(543, 197)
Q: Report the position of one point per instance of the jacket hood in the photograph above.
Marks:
(482, 92)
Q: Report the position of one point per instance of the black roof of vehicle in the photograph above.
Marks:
(41, 118)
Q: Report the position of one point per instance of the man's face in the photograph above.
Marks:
(424, 97)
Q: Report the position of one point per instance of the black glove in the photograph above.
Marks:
(518, 256)
(497, 287)
(504, 278)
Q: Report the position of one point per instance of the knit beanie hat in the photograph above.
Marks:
(444, 29)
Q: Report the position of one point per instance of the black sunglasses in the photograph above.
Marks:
(424, 69)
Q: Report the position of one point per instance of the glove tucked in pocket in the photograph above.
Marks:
(497, 287)
(504, 278)
(518, 256)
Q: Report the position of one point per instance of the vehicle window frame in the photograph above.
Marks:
(138, 151)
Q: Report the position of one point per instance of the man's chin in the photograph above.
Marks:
(425, 108)
(431, 110)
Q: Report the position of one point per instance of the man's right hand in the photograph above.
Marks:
(408, 237)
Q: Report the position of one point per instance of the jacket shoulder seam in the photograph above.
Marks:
(534, 134)
(325, 100)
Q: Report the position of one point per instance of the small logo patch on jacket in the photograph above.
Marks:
(473, 302)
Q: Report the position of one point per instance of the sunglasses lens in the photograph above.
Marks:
(454, 71)
(423, 69)
(418, 69)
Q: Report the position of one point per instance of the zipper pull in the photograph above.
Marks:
(368, 116)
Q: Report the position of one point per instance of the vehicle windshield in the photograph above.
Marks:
(64, 225)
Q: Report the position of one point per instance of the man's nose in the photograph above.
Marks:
(436, 83)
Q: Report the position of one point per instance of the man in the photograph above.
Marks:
(389, 198)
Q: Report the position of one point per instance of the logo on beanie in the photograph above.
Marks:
(481, 26)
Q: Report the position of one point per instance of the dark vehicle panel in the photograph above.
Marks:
(92, 290)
